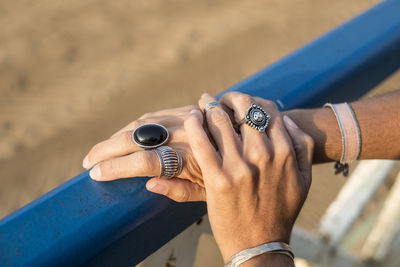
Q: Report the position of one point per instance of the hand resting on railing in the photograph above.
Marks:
(256, 182)
(236, 205)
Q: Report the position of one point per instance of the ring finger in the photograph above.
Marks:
(123, 144)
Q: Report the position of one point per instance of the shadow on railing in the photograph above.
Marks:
(120, 223)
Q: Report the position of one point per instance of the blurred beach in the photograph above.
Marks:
(74, 72)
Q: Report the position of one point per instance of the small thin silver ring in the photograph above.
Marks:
(210, 106)
(170, 161)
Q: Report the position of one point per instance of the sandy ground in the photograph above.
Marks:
(73, 72)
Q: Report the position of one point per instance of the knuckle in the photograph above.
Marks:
(189, 122)
(108, 168)
(191, 107)
(259, 154)
(127, 139)
(133, 125)
(284, 150)
(243, 100)
(178, 135)
(182, 196)
(270, 106)
(146, 162)
(243, 173)
(145, 116)
(223, 185)
(233, 94)
(217, 116)
(142, 121)
(139, 122)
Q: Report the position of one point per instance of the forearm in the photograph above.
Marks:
(379, 121)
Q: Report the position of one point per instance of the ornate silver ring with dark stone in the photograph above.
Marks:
(255, 117)
(150, 135)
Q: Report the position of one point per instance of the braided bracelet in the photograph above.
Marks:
(351, 135)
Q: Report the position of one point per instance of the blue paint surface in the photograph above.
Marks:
(119, 223)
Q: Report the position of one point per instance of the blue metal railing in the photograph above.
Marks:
(119, 223)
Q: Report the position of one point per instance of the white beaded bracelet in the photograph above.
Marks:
(271, 247)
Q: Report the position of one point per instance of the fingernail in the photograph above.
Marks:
(85, 162)
(205, 94)
(289, 122)
(157, 188)
(95, 173)
(194, 111)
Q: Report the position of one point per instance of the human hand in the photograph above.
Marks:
(119, 157)
(256, 183)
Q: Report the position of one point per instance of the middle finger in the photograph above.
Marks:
(221, 129)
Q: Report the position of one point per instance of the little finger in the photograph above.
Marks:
(177, 189)
(303, 146)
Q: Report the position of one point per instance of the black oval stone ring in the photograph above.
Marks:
(150, 135)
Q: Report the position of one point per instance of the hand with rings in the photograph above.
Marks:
(120, 157)
(256, 172)
(255, 182)
(126, 154)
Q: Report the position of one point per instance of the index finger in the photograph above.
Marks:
(202, 149)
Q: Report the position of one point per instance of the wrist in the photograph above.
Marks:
(255, 255)
(322, 126)
(230, 247)
(269, 260)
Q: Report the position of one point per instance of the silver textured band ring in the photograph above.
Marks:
(170, 161)
(210, 106)
(255, 117)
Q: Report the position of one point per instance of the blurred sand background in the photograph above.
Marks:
(73, 72)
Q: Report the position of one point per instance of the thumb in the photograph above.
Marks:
(303, 145)
(177, 189)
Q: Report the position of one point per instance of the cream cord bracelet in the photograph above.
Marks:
(351, 135)
(271, 247)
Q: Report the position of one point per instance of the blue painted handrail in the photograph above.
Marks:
(119, 223)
